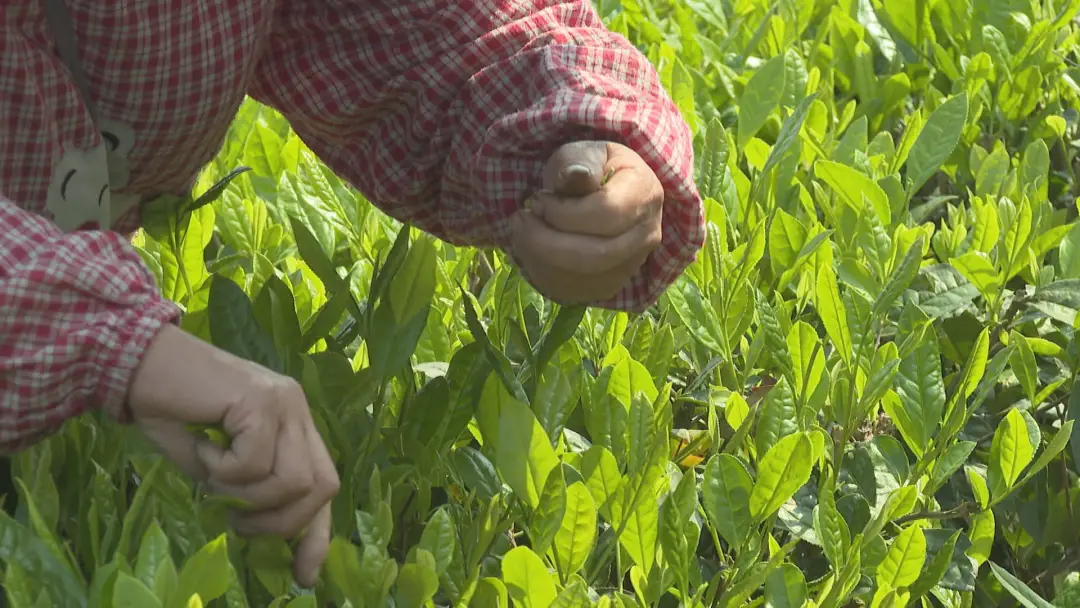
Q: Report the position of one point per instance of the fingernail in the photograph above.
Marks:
(576, 180)
(576, 169)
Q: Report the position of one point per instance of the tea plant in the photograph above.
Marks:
(861, 393)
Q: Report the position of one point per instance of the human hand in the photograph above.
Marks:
(276, 460)
(584, 237)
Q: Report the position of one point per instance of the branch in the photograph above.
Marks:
(1057, 568)
(961, 511)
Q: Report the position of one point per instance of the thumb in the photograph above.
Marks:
(576, 169)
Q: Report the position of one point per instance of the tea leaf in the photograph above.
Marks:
(783, 470)
(439, 539)
(1022, 363)
(1018, 589)
(726, 497)
(524, 456)
(527, 580)
(904, 561)
(936, 141)
(763, 93)
(1010, 452)
(785, 587)
(416, 585)
(832, 311)
(577, 531)
(129, 592)
(206, 573)
(549, 514)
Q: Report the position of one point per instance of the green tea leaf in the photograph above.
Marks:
(977, 268)
(785, 587)
(577, 532)
(549, 513)
(784, 469)
(234, 327)
(524, 456)
(129, 592)
(786, 239)
(808, 358)
(981, 535)
(937, 568)
(1069, 254)
(490, 593)
(637, 509)
(207, 573)
(921, 392)
(1018, 589)
(904, 561)
(413, 286)
(602, 477)
(1022, 362)
(936, 141)
(439, 539)
(573, 595)
(1010, 452)
(763, 93)
(712, 163)
(951, 460)
(416, 585)
(853, 186)
(832, 311)
(831, 528)
(1055, 447)
(527, 579)
(900, 279)
(153, 550)
(725, 496)
(779, 416)
(18, 545)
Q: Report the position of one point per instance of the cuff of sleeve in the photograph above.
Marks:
(131, 334)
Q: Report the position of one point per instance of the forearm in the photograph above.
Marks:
(444, 114)
(76, 313)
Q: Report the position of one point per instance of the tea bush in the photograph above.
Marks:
(859, 394)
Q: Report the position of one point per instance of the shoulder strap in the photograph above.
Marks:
(59, 19)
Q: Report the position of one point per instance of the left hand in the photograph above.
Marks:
(583, 238)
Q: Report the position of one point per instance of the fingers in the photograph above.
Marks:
(178, 445)
(295, 500)
(632, 195)
(576, 198)
(576, 168)
(570, 288)
(289, 477)
(253, 426)
(532, 239)
(313, 547)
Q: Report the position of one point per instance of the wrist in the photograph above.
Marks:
(119, 360)
(184, 378)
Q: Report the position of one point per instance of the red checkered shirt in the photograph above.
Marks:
(441, 112)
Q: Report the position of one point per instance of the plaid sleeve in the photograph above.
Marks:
(77, 311)
(443, 112)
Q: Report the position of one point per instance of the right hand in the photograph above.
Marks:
(585, 238)
(276, 461)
